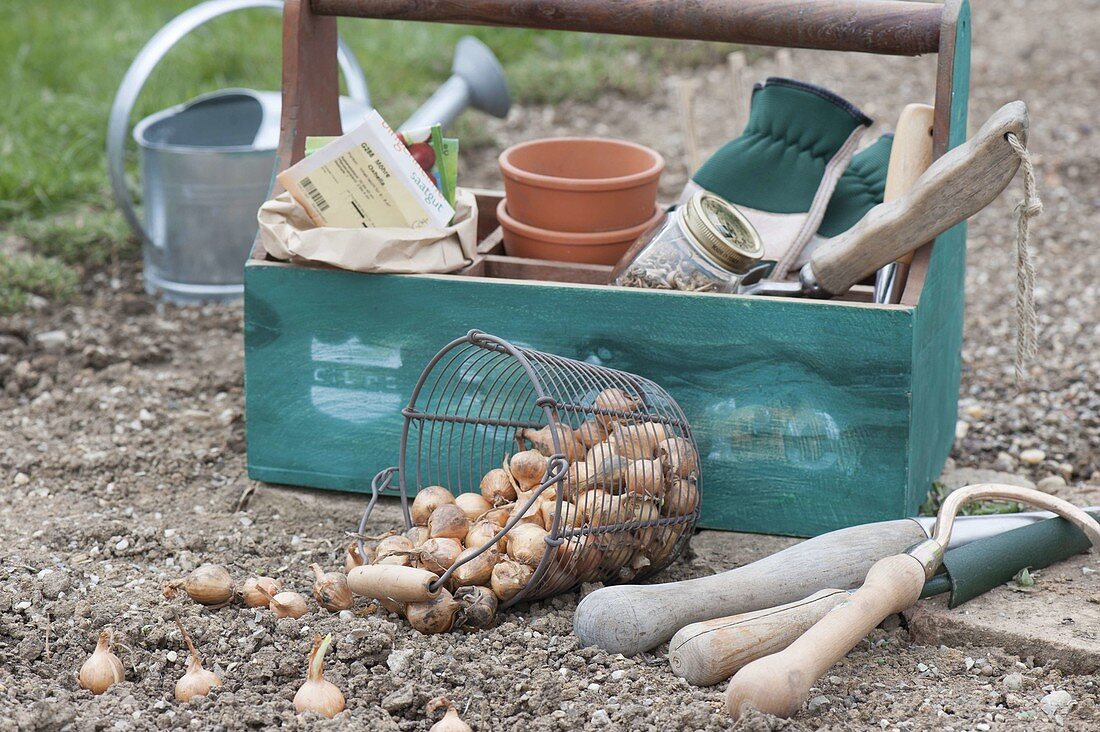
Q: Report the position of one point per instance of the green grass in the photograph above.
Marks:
(64, 61)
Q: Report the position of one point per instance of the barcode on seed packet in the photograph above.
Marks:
(318, 200)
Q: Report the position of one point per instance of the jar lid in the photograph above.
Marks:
(723, 232)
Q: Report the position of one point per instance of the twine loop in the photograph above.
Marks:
(1026, 320)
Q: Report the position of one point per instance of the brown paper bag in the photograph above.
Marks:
(286, 232)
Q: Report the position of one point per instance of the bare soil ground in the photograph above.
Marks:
(122, 462)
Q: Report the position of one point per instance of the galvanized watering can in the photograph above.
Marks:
(206, 167)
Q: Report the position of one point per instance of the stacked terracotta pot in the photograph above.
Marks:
(577, 199)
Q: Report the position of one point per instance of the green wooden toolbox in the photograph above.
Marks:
(810, 415)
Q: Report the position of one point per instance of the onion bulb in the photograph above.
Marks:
(590, 432)
(527, 468)
(393, 550)
(679, 455)
(288, 605)
(476, 571)
(581, 556)
(593, 505)
(481, 533)
(615, 400)
(496, 487)
(209, 584)
(433, 616)
(330, 590)
(451, 722)
(542, 440)
(248, 592)
(417, 535)
(509, 577)
(646, 511)
(473, 505)
(645, 478)
(532, 515)
(681, 499)
(427, 500)
(478, 607)
(197, 681)
(637, 441)
(570, 516)
(527, 543)
(499, 515)
(103, 668)
(318, 694)
(437, 555)
(353, 558)
(449, 522)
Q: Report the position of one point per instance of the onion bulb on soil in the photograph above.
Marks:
(450, 722)
(248, 591)
(353, 558)
(679, 455)
(318, 694)
(481, 533)
(496, 487)
(476, 571)
(330, 590)
(288, 605)
(526, 468)
(527, 543)
(542, 440)
(615, 400)
(637, 441)
(449, 522)
(103, 668)
(197, 681)
(427, 500)
(209, 584)
(437, 555)
(509, 577)
(474, 505)
(393, 550)
(478, 607)
(433, 616)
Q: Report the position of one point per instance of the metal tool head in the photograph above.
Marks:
(754, 283)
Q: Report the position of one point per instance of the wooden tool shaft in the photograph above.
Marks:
(910, 155)
(629, 619)
(710, 652)
(954, 188)
(873, 26)
(779, 684)
(393, 582)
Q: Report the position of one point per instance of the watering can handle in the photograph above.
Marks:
(151, 55)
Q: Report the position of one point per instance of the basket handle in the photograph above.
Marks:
(873, 26)
(152, 54)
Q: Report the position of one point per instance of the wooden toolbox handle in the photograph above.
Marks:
(873, 26)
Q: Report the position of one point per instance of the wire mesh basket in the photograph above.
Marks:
(595, 467)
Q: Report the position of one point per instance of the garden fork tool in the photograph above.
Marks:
(954, 188)
(779, 684)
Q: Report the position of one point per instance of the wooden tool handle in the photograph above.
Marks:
(954, 188)
(910, 154)
(710, 652)
(876, 26)
(629, 619)
(393, 582)
(779, 684)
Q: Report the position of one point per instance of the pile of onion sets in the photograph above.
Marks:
(628, 496)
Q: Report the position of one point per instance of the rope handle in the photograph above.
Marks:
(1026, 320)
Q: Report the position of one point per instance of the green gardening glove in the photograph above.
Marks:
(782, 170)
(858, 191)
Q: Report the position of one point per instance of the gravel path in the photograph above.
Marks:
(122, 458)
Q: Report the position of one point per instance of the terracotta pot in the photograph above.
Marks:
(582, 184)
(603, 247)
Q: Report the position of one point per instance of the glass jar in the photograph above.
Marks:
(705, 245)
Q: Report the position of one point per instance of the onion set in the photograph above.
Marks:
(197, 681)
(103, 668)
(209, 584)
(318, 694)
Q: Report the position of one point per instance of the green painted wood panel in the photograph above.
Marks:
(801, 408)
(937, 342)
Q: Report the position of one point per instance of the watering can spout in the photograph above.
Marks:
(477, 80)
